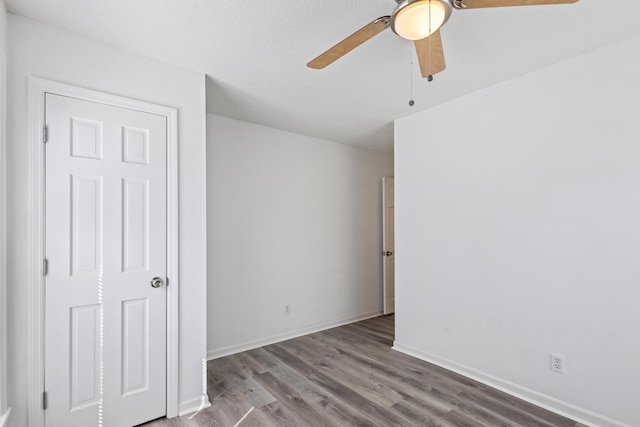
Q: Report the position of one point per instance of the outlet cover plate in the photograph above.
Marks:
(557, 363)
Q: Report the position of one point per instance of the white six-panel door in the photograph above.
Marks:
(388, 246)
(105, 345)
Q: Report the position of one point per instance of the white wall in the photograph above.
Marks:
(44, 51)
(292, 220)
(3, 264)
(517, 225)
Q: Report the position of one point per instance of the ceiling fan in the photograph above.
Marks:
(419, 21)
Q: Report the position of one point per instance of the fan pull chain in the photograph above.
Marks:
(411, 101)
(430, 78)
(429, 16)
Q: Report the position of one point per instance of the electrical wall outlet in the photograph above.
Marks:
(557, 363)
(287, 309)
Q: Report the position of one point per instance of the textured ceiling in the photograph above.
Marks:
(254, 53)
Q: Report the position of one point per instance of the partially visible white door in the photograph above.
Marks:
(388, 249)
(105, 332)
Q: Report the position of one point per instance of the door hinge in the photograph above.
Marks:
(45, 267)
(45, 401)
(167, 282)
(45, 134)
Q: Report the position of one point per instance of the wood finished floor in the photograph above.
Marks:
(349, 376)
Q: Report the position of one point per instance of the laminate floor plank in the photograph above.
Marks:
(369, 336)
(433, 386)
(361, 378)
(413, 413)
(398, 385)
(540, 413)
(224, 411)
(372, 330)
(520, 417)
(350, 376)
(245, 382)
(458, 419)
(315, 417)
(338, 388)
(344, 414)
(250, 364)
(279, 414)
(483, 415)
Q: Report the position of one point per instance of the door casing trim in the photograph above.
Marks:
(37, 88)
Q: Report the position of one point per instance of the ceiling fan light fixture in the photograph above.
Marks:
(418, 19)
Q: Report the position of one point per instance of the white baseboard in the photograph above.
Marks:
(250, 345)
(4, 418)
(193, 405)
(552, 404)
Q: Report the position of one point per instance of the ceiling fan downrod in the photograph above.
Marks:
(458, 4)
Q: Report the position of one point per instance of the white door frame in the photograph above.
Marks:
(385, 246)
(36, 118)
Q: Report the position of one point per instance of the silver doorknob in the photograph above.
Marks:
(156, 282)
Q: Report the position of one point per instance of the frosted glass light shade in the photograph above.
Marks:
(415, 20)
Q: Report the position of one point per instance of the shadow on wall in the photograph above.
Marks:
(231, 101)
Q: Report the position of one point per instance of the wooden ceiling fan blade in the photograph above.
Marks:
(350, 43)
(478, 4)
(430, 54)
